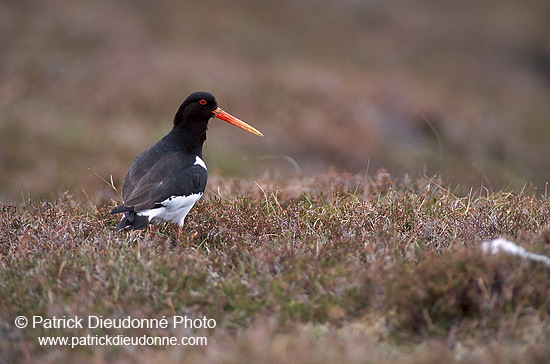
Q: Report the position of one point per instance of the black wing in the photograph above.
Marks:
(152, 180)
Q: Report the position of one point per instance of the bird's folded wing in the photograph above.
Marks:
(155, 187)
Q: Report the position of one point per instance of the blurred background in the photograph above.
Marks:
(457, 88)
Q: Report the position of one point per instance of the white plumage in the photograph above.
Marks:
(200, 162)
(173, 209)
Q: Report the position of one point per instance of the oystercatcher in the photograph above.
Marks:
(166, 180)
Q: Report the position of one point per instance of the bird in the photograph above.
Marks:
(166, 180)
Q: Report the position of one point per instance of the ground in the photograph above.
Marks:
(365, 269)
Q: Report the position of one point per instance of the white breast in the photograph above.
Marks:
(174, 208)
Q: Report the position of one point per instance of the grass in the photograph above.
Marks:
(340, 267)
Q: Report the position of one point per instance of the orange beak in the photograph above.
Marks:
(220, 114)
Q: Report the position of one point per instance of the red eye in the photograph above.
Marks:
(202, 102)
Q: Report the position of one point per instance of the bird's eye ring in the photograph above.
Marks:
(202, 102)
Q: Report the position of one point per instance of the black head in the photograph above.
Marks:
(197, 108)
(193, 115)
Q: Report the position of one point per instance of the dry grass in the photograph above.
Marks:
(341, 267)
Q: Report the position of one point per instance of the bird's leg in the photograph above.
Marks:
(179, 234)
(151, 230)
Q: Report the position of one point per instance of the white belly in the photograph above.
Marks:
(174, 209)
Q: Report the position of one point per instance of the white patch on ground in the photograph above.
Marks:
(200, 162)
(174, 209)
(501, 245)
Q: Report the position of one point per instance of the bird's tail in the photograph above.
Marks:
(131, 220)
